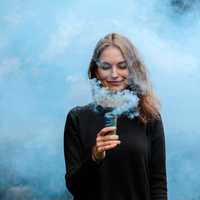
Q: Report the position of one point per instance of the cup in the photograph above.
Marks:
(110, 120)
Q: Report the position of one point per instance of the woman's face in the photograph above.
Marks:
(112, 69)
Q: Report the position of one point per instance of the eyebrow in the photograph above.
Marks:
(123, 61)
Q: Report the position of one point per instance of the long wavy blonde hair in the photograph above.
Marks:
(149, 104)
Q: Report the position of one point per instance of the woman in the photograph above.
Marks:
(131, 164)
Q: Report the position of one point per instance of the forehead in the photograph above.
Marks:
(111, 54)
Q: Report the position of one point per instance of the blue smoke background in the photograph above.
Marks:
(45, 48)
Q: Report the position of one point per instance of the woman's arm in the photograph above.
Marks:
(158, 178)
(80, 168)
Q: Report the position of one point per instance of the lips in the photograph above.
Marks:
(115, 82)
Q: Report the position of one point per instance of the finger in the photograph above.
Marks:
(105, 130)
(107, 147)
(108, 142)
(102, 144)
(110, 137)
(99, 139)
(107, 137)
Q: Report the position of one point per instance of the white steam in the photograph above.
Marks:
(122, 102)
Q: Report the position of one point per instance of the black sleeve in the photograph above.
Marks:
(80, 168)
(158, 178)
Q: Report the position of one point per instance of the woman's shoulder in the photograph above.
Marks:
(76, 110)
(155, 126)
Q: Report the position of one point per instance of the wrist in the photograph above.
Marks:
(95, 156)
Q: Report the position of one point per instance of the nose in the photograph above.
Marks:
(114, 73)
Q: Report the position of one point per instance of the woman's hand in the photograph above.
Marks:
(105, 140)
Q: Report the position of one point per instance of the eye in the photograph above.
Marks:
(122, 65)
(104, 66)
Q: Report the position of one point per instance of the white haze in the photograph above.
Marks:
(45, 49)
(121, 101)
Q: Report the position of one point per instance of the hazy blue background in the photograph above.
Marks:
(45, 48)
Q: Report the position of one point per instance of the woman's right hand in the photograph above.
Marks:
(105, 140)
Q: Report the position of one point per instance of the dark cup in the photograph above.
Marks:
(110, 120)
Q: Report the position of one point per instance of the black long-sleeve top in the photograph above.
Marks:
(133, 170)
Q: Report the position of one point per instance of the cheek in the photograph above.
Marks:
(102, 75)
(125, 75)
